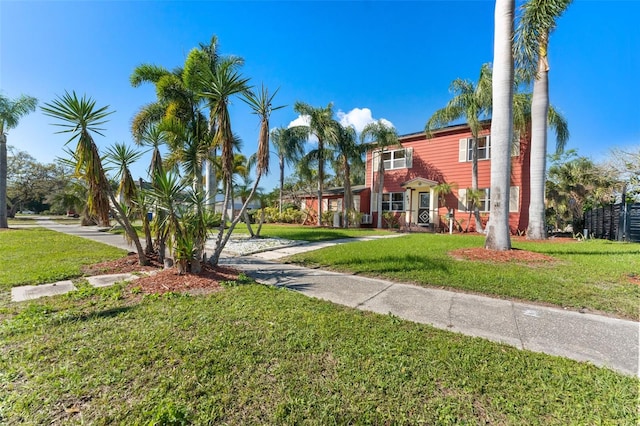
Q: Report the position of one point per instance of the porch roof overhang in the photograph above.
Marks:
(419, 183)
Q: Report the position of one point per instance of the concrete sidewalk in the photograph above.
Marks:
(604, 341)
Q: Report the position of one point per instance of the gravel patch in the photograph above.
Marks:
(243, 246)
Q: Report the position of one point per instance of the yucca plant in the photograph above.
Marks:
(81, 118)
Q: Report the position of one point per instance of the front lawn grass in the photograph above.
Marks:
(38, 255)
(592, 274)
(253, 354)
(309, 233)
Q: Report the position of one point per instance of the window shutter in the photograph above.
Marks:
(514, 199)
(462, 150)
(462, 200)
(409, 157)
(515, 145)
(376, 160)
(488, 146)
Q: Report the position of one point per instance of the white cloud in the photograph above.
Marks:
(359, 118)
(302, 120)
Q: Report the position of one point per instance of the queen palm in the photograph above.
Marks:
(538, 20)
(289, 147)
(11, 111)
(321, 125)
(498, 235)
(347, 152)
(81, 118)
(381, 136)
(473, 103)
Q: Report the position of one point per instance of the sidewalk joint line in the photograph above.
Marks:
(375, 295)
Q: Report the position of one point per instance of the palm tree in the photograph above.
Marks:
(200, 65)
(80, 118)
(498, 235)
(122, 156)
(348, 152)
(321, 125)
(10, 113)
(382, 136)
(537, 22)
(471, 102)
(289, 146)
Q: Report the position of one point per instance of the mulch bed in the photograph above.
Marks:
(161, 280)
(493, 256)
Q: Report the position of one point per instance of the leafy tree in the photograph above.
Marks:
(498, 234)
(29, 182)
(473, 103)
(578, 184)
(537, 21)
(80, 118)
(11, 111)
(321, 125)
(381, 136)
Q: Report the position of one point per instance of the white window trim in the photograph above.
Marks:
(391, 202)
(464, 147)
(406, 164)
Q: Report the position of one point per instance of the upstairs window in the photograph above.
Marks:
(394, 159)
(466, 148)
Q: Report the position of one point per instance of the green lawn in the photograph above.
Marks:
(258, 355)
(593, 274)
(309, 233)
(38, 255)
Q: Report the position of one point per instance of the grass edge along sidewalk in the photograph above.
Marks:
(258, 354)
(592, 276)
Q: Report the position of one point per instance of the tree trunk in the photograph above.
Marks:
(220, 241)
(498, 236)
(539, 114)
(215, 257)
(281, 181)
(320, 181)
(211, 185)
(347, 204)
(380, 187)
(474, 183)
(131, 232)
(3, 181)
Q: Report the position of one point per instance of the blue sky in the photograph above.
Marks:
(396, 59)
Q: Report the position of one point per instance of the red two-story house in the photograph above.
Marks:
(415, 168)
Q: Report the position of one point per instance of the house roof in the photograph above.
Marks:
(355, 189)
(446, 129)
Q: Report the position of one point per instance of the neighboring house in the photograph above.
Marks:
(418, 165)
(333, 201)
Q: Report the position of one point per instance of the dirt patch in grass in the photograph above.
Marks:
(164, 280)
(481, 254)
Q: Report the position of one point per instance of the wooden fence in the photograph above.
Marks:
(614, 222)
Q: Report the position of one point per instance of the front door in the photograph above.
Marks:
(424, 201)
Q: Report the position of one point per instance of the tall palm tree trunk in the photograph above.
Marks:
(498, 236)
(474, 182)
(380, 188)
(281, 164)
(539, 113)
(320, 181)
(3, 181)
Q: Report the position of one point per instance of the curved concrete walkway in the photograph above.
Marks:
(603, 341)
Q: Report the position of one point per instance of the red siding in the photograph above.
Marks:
(438, 159)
